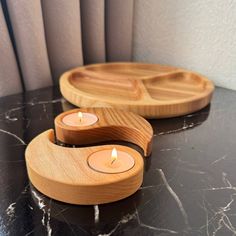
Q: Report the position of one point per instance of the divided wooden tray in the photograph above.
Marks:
(150, 90)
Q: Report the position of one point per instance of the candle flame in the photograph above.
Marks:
(113, 155)
(80, 115)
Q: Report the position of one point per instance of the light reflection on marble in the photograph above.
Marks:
(189, 181)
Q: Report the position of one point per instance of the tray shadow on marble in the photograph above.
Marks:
(180, 124)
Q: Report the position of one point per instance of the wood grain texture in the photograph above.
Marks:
(150, 90)
(112, 124)
(63, 173)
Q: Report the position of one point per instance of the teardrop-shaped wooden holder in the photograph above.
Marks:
(63, 173)
(152, 91)
(112, 125)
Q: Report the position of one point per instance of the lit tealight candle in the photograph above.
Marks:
(80, 119)
(111, 161)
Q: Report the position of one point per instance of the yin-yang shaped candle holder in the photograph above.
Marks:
(63, 173)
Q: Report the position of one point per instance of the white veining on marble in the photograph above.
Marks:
(217, 188)
(25, 190)
(220, 159)
(28, 123)
(193, 171)
(196, 114)
(158, 229)
(30, 233)
(176, 198)
(44, 108)
(33, 103)
(220, 217)
(68, 223)
(49, 228)
(30, 207)
(10, 211)
(170, 149)
(3, 228)
(46, 212)
(191, 115)
(218, 227)
(125, 219)
(153, 227)
(147, 187)
(184, 127)
(207, 217)
(187, 163)
(135, 216)
(228, 224)
(39, 199)
(222, 221)
(61, 211)
(8, 114)
(13, 135)
(225, 180)
(96, 213)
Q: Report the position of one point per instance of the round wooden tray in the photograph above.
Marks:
(150, 90)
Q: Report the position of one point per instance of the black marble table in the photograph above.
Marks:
(189, 183)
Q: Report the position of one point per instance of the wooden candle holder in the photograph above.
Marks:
(112, 124)
(63, 173)
(152, 91)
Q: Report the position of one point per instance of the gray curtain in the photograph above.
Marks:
(9, 74)
(52, 36)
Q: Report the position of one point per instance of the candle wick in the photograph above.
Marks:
(80, 116)
(113, 161)
(113, 155)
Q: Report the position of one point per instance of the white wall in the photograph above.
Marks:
(195, 34)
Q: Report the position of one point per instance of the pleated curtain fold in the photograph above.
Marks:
(10, 81)
(52, 36)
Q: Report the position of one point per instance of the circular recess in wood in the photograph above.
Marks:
(150, 90)
(112, 125)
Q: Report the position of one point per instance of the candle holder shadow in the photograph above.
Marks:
(64, 174)
(112, 125)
